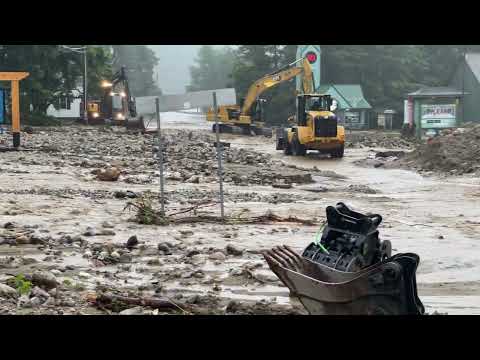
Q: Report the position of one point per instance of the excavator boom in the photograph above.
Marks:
(276, 78)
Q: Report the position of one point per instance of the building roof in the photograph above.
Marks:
(348, 95)
(473, 62)
(439, 91)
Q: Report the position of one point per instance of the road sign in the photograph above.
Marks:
(313, 54)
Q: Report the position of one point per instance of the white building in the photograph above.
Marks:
(65, 109)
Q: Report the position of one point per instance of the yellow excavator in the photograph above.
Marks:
(250, 115)
(314, 127)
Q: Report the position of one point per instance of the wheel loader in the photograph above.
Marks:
(249, 116)
(314, 127)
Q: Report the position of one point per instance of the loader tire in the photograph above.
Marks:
(287, 147)
(247, 130)
(338, 153)
(297, 148)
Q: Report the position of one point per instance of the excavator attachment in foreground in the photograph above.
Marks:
(350, 271)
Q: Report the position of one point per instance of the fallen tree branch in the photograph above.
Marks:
(146, 214)
(109, 299)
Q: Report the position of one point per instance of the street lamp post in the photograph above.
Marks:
(85, 108)
(82, 50)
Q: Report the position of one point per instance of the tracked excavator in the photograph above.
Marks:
(349, 270)
(117, 105)
(249, 116)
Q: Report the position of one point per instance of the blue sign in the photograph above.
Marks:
(313, 55)
(2, 106)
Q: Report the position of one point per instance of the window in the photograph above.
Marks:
(64, 103)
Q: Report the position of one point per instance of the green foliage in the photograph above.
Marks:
(385, 72)
(140, 62)
(212, 69)
(53, 72)
(99, 62)
(145, 213)
(254, 61)
(22, 285)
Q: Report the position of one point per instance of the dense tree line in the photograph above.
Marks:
(386, 72)
(54, 72)
(212, 69)
(140, 62)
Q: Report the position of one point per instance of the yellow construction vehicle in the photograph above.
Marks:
(315, 126)
(250, 115)
(117, 104)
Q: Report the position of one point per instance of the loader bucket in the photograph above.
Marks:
(386, 288)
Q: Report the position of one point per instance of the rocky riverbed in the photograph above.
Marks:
(69, 243)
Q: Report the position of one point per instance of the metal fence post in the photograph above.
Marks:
(160, 156)
(219, 154)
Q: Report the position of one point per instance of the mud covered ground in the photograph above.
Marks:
(68, 245)
(454, 152)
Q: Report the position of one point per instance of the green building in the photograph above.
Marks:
(467, 78)
(353, 110)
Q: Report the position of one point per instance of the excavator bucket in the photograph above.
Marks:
(136, 123)
(350, 272)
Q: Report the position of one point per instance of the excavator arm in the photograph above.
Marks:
(276, 78)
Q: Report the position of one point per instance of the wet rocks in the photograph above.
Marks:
(125, 194)
(108, 174)
(91, 231)
(44, 279)
(40, 293)
(125, 258)
(165, 248)
(386, 154)
(7, 291)
(364, 189)
(233, 250)
(9, 225)
(282, 185)
(217, 256)
(131, 242)
(107, 225)
(138, 310)
(191, 253)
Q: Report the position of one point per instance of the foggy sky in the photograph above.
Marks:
(173, 68)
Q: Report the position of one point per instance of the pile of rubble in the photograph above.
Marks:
(375, 139)
(454, 151)
(111, 154)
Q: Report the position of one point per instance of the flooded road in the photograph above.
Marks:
(437, 218)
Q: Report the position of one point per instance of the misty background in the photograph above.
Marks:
(173, 70)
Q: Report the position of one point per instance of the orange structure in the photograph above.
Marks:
(14, 78)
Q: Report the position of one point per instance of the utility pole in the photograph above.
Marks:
(464, 65)
(219, 155)
(81, 50)
(160, 156)
(85, 107)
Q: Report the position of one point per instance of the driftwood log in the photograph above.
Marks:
(108, 300)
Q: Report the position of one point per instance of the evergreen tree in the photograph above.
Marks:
(140, 62)
(212, 69)
(53, 72)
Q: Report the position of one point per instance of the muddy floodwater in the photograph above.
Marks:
(45, 192)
